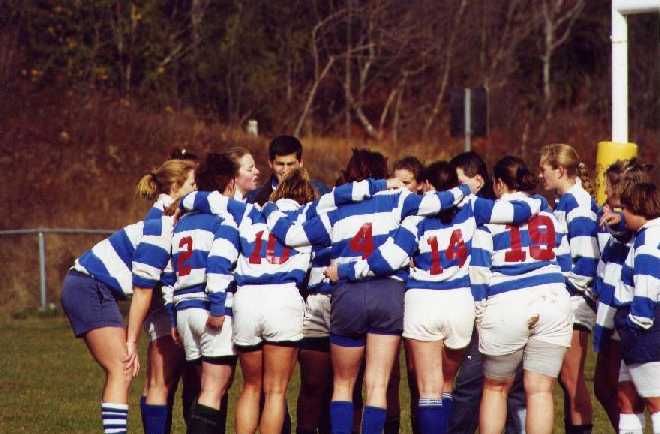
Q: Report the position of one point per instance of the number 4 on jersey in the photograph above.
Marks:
(363, 241)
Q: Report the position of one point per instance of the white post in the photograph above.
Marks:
(42, 269)
(620, 8)
(619, 77)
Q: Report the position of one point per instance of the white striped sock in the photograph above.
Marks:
(114, 418)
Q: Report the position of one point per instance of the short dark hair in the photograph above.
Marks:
(216, 172)
(284, 145)
(515, 174)
(642, 199)
(472, 165)
(364, 164)
(411, 164)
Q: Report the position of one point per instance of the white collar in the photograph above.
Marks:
(516, 195)
(286, 204)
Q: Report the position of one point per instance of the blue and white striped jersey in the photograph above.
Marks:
(577, 211)
(646, 275)
(204, 253)
(510, 257)
(440, 251)
(158, 208)
(609, 286)
(355, 230)
(133, 256)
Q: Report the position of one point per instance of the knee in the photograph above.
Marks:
(496, 385)
(272, 388)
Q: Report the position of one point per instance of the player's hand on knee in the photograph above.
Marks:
(174, 332)
(131, 360)
(215, 322)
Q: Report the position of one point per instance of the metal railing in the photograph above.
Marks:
(41, 232)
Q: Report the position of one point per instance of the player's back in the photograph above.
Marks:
(358, 229)
(443, 252)
(191, 244)
(263, 258)
(523, 256)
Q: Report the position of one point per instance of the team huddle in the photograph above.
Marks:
(494, 292)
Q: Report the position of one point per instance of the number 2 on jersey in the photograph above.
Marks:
(183, 268)
(363, 241)
(457, 250)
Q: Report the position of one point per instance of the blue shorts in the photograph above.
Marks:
(89, 304)
(372, 306)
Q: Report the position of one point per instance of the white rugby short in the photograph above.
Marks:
(271, 313)
(645, 377)
(200, 341)
(157, 323)
(434, 315)
(316, 322)
(510, 319)
(583, 314)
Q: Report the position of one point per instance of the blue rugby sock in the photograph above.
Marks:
(430, 416)
(373, 420)
(143, 401)
(114, 418)
(155, 418)
(341, 417)
(447, 410)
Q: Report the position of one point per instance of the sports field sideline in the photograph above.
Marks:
(49, 384)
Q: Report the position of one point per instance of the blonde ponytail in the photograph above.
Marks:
(582, 172)
(161, 180)
(147, 187)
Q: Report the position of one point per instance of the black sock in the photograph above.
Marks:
(579, 429)
(392, 425)
(203, 420)
(222, 414)
(286, 426)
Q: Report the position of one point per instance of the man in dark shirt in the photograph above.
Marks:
(284, 155)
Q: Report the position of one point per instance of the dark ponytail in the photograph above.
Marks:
(442, 175)
(515, 174)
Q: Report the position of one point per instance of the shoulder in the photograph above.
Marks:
(319, 186)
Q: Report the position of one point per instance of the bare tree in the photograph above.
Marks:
(558, 17)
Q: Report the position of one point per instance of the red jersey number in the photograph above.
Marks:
(363, 241)
(183, 268)
(457, 250)
(542, 234)
(255, 257)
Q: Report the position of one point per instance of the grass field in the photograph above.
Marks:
(49, 384)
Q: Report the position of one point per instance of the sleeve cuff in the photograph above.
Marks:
(377, 185)
(345, 271)
(143, 282)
